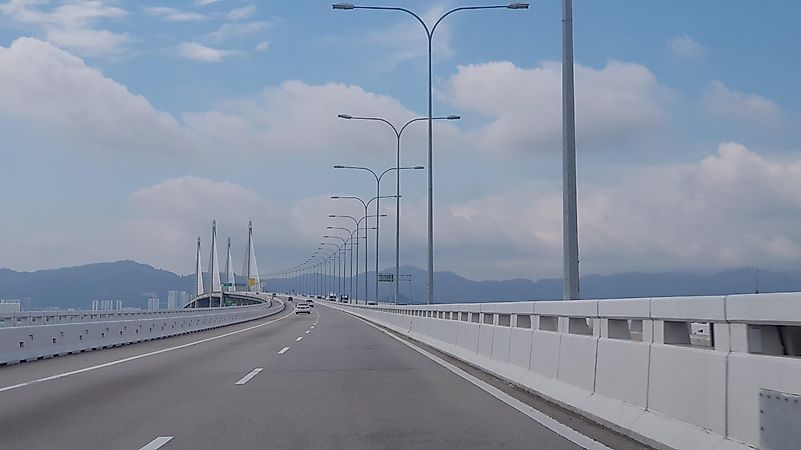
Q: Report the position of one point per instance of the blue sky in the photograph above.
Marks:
(129, 125)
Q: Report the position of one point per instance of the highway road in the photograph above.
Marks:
(326, 380)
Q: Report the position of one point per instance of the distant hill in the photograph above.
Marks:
(76, 287)
(452, 288)
(133, 283)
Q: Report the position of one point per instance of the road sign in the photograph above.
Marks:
(251, 282)
(227, 284)
(386, 278)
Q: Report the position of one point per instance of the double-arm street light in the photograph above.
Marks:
(341, 284)
(377, 197)
(350, 239)
(377, 216)
(398, 134)
(335, 253)
(430, 35)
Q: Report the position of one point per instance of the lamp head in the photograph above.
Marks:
(418, 167)
(339, 166)
(332, 215)
(509, 6)
(344, 116)
(343, 6)
(454, 117)
(335, 197)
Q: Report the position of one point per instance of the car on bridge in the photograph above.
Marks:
(332, 297)
(302, 308)
(309, 303)
(344, 298)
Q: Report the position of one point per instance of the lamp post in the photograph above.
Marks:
(350, 239)
(355, 292)
(429, 35)
(378, 178)
(336, 252)
(342, 269)
(398, 134)
(366, 205)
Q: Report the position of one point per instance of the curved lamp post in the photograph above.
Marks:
(429, 35)
(398, 134)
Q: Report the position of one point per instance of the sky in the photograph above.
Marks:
(128, 126)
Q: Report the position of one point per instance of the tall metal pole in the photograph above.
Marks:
(397, 217)
(377, 222)
(569, 206)
(430, 177)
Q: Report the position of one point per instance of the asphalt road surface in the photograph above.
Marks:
(325, 380)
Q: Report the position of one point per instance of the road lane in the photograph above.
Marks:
(346, 385)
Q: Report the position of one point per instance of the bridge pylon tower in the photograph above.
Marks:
(250, 270)
(214, 265)
(198, 272)
(230, 278)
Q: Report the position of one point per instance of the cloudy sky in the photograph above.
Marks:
(127, 126)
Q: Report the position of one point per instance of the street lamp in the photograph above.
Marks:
(350, 233)
(335, 252)
(342, 271)
(378, 197)
(366, 205)
(398, 134)
(430, 35)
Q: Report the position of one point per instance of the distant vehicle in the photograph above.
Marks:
(371, 302)
(302, 308)
(309, 304)
(273, 294)
(290, 299)
(320, 297)
(344, 298)
(332, 297)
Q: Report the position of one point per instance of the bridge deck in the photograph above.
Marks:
(345, 384)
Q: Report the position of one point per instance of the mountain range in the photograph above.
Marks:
(134, 283)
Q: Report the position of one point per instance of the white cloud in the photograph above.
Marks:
(234, 30)
(199, 52)
(684, 47)
(44, 85)
(407, 40)
(617, 103)
(72, 25)
(175, 15)
(205, 2)
(750, 108)
(731, 209)
(241, 13)
(262, 46)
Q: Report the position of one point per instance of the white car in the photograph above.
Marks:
(309, 303)
(302, 308)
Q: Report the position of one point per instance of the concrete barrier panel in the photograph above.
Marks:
(688, 384)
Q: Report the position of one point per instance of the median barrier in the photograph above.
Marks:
(31, 336)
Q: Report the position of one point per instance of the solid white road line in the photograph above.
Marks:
(133, 358)
(157, 443)
(308, 331)
(283, 350)
(539, 417)
(299, 339)
(248, 377)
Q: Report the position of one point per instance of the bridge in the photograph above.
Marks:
(239, 366)
(628, 373)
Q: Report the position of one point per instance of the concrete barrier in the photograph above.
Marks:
(680, 372)
(32, 336)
